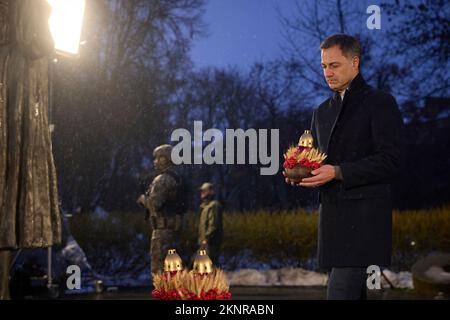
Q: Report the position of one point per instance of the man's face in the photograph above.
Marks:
(338, 69)
(204, 193)
(160, 162)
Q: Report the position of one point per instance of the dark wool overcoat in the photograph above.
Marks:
(361, 134)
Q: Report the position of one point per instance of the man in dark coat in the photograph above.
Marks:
(359, 128)
(29, 213)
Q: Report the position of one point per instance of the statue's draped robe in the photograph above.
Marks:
(29, 213)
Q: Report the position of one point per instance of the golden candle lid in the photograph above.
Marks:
(173, 261)
(202, 263)
(306, 140)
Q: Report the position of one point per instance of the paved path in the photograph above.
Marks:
(252, 293)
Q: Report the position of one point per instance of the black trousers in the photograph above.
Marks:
(348, 283)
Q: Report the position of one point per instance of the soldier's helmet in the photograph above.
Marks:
(207, 186)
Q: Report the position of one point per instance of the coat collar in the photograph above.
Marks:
(357, 84)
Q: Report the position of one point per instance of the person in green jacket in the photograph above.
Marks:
(210, 229)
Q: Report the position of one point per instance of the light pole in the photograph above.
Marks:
(66, 23)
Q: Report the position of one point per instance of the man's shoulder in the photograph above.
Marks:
(377, 98)
(213, 204)
(371, 94)
(216, 203)
(164, 179)
(380, 94)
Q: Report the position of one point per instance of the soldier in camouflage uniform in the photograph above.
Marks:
(210, 230)
(161, 202)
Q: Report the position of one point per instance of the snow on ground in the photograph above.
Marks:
(302, 277)
(254, 277)
(401, 279)
(438, 274)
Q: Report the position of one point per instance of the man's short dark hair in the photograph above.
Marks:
(349, 45)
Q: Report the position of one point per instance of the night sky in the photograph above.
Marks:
(240, 32)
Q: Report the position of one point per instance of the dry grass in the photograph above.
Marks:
(286, 237)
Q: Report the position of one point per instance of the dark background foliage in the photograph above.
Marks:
(134, 83)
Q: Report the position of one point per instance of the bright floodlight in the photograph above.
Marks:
(65, 23)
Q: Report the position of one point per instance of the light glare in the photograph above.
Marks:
(65, 23)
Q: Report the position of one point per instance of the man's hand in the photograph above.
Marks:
(321, 176)
(288, 181)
